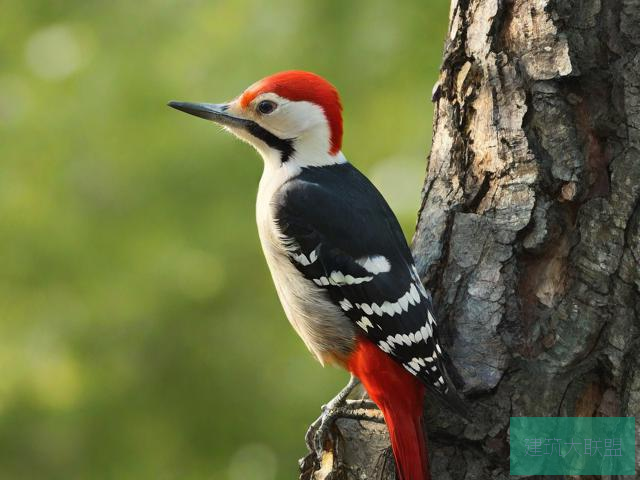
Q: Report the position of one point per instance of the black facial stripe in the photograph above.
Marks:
(283, 145)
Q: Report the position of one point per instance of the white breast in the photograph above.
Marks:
(323, 327)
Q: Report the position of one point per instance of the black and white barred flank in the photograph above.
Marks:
(342, 235)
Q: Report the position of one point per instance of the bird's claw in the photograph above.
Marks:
(327, 419)
(318, 433)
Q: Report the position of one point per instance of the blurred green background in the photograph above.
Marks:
(140, 334)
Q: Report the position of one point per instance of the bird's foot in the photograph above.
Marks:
(318, 435)
(318, 431)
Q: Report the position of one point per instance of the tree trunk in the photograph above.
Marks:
(529, 230)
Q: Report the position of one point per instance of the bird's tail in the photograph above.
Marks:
(408, 442)
(400, 396)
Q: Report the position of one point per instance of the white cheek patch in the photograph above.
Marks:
(291, 118)
(302, 123)
(295, 118)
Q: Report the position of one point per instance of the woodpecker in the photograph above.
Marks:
(338, 258)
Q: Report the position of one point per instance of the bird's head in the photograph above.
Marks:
(291, 116)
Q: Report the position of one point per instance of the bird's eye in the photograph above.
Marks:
(266, 107)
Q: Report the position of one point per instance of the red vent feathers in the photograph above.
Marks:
(297, 85)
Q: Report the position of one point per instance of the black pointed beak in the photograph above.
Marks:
(210, 111)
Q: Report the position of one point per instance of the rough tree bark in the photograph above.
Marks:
(529, 230)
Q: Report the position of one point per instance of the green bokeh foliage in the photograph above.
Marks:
(140, 335)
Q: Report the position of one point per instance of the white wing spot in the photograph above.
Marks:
(366, 309)
(411, 297)
(386, 308)
(429, 329)
(404, 302)
(409, 369)
(364, 323)
(375, 264)
(345, 305)
(414, 293)
(426, 333)
(336, 278)
(300, 258)
(350, 279)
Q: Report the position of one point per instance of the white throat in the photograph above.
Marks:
(305, 155)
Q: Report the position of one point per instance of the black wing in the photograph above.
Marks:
(342, 235)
